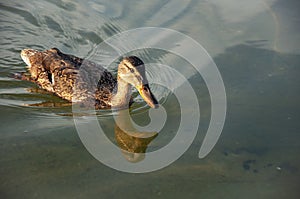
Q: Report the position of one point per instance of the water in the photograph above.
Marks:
(256, 48)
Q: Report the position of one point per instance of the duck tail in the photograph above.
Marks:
(21, 76)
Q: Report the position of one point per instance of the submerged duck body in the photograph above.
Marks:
(77, 80)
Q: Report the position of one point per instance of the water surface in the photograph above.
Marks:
(256, 48)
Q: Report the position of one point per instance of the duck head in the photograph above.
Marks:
(131, 70)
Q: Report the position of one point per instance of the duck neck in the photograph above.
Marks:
(122, 97)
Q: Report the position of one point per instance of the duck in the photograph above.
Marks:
(82, 81)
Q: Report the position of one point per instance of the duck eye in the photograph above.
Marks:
(130, 69)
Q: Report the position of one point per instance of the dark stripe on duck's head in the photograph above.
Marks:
(134, 60)
(138, 64)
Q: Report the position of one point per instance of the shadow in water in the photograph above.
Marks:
(263, 95)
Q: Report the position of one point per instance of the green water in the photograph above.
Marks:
(256, 48)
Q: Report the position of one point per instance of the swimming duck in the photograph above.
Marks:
(77, 80)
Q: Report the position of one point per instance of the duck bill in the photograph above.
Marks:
(147, 95)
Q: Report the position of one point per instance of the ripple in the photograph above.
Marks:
(23, 13)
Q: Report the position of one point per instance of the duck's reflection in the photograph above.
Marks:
(133, 144)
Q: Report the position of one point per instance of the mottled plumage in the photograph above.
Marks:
(78, 80)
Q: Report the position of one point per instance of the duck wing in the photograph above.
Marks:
(72, 78)
(80, 80)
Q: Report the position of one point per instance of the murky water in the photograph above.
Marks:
(256, 48)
